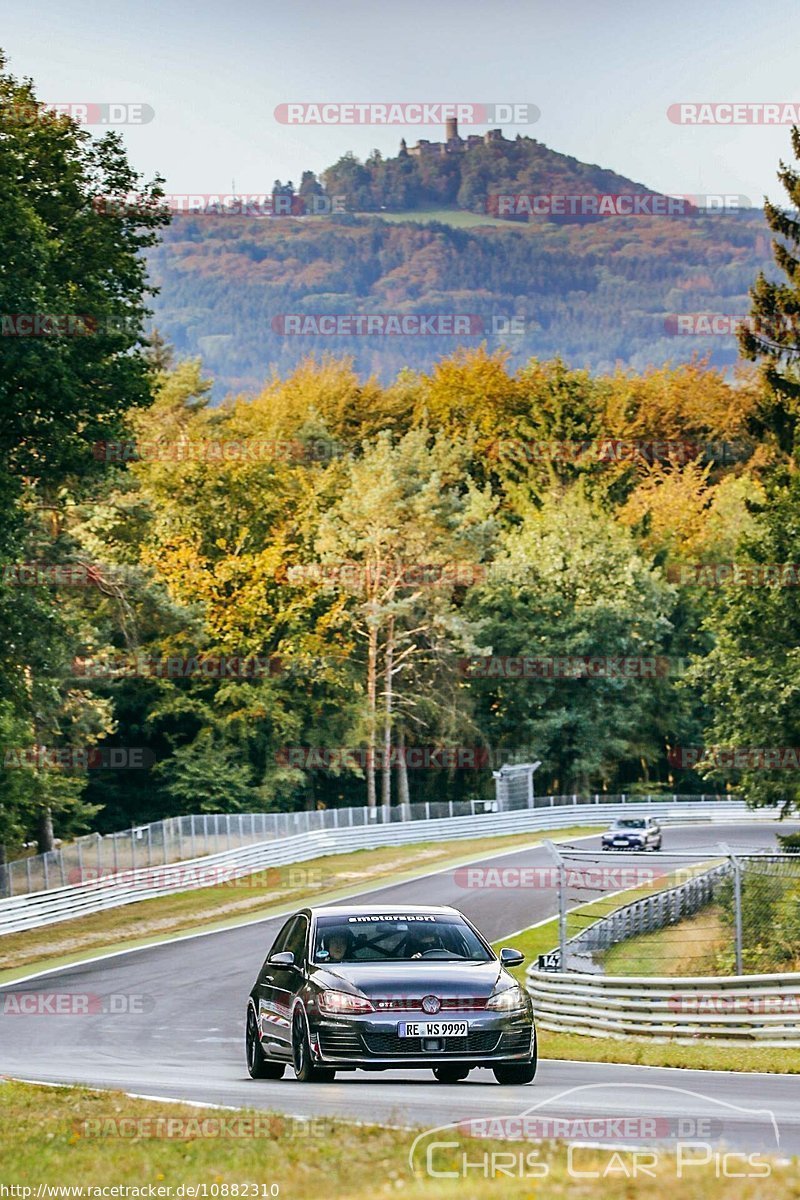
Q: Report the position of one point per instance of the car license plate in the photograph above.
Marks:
(439, 1029)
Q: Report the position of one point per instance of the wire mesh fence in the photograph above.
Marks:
(178, 838)
(710, 912)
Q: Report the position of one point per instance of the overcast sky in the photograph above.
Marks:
(602, 72)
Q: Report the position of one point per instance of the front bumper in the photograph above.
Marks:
(372, 1041)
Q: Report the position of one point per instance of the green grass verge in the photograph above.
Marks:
(700, 1056)
(71, 1138)
(263, 894)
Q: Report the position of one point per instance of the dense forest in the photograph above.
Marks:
(599, 295)
(371, 559)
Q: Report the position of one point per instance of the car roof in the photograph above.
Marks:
(394, 910)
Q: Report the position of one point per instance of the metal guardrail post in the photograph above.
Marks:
(737, 902)
(737, 909)
(562, 904)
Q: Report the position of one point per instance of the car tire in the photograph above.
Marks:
(258, 1065)
(452, 1074)
(516, 1073)
(304, 1069)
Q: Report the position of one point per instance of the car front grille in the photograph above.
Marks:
(447, 1003)
(479, 1041)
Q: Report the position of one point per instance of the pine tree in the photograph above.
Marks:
(773, 336)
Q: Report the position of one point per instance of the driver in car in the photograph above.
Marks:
(426, 940)
(338, 946)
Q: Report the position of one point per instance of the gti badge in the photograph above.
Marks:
(431, 1004)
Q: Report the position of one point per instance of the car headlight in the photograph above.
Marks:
(344, 1002)
(508, 1000)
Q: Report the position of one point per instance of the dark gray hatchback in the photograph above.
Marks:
(353, 988)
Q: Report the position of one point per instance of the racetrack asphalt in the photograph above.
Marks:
(178, 1031)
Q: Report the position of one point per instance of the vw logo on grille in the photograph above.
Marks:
(431, 1004)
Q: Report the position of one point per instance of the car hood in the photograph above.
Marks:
(415, 979)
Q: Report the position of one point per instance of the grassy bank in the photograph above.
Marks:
(72, 1138)
(688, 948)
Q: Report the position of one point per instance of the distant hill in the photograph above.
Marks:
(467, 173)
(598, 291)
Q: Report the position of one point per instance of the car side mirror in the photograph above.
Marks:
(284, 958)
(511, 958)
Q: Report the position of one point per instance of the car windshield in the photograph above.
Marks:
(629, 823)
(396, 938)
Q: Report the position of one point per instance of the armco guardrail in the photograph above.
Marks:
(177, 838)
(109, 891)
(739, 1008)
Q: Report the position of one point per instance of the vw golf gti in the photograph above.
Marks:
(346, 988)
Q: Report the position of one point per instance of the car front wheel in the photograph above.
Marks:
(304, 1068)
(523, 1072)
(258, 1066)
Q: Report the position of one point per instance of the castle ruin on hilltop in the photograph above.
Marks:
(453, 143)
